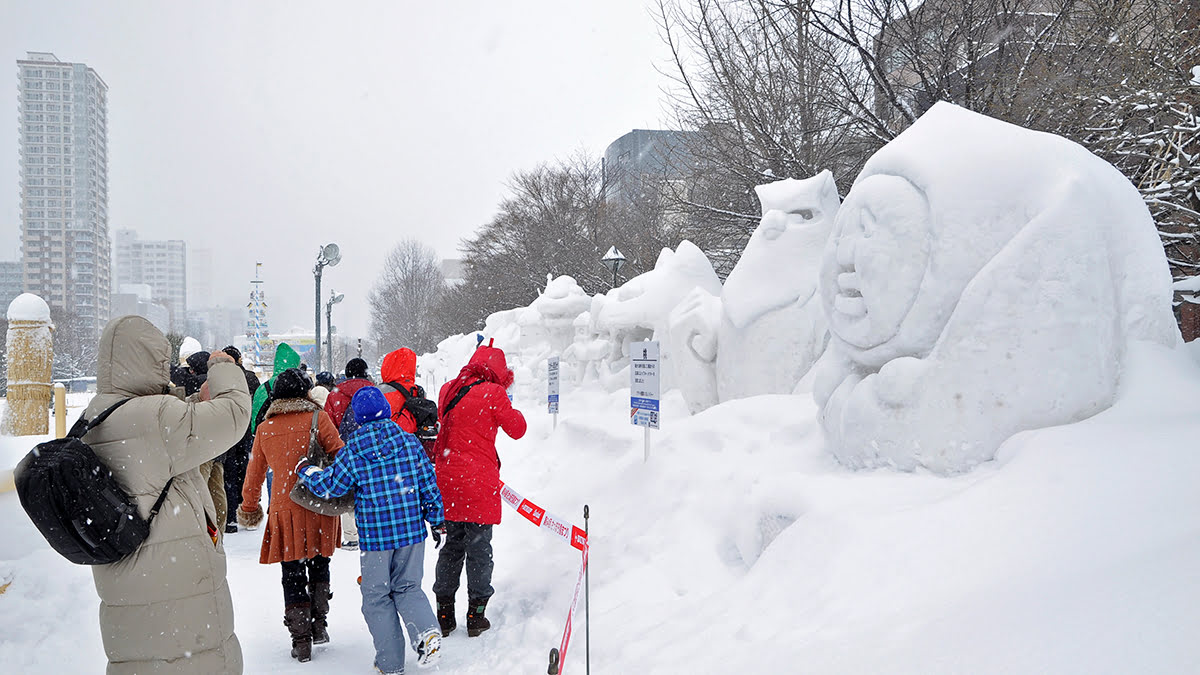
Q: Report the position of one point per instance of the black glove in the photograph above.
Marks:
(439, 535)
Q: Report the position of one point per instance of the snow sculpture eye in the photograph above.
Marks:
(876, 260)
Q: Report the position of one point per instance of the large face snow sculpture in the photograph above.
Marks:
(982, 279)
(877, 258)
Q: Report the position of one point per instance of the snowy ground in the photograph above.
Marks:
(740, 547)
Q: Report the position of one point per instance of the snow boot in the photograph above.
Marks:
(445, 614)
(476, 621)
(429, 649)
(298, 619)
(320, 594)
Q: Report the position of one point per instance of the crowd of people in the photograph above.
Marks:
(413, 467)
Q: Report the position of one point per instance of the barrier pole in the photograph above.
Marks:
(60, 410)
(587, 599)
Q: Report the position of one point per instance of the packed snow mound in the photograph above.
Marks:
(767, 329)
(591, 334)
(28, 307)
(981, 279)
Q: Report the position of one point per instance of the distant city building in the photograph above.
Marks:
(160, 264)
(138, 299)
(200, 278)
(62, 109)
(644, 155)
(11, 283)
(453, 271)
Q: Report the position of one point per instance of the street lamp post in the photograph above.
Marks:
(329, 255)
(613, 260)
(334, 298)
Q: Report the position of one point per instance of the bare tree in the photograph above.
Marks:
(405, 297)
(76, 348)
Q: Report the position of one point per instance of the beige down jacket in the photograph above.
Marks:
(166, 608)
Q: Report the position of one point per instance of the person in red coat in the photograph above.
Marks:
(338, 401)
(400, 367)
(468, 476)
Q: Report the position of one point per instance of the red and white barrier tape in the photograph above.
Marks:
(563, 529)
(566, 638)
(560, 527)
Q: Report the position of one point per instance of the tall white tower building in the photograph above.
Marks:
(63, 119)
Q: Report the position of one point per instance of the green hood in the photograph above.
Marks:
(285, 357)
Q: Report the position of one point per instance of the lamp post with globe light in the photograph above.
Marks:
(334, 298)
(328, 256)
(613, 260)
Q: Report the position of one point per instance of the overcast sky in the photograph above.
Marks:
(264, 129)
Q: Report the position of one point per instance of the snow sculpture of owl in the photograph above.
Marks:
(767, 328)
(982, 279)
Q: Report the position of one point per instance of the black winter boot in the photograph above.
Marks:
(320, 594)
(298, 619)
(476, 622)
(445, 613)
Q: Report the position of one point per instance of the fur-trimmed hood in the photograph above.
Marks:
(285, 406)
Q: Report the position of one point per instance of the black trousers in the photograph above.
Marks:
(472, 543)
(235, 476)
(298, 574)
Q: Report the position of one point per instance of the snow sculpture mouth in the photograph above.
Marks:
(876, 260)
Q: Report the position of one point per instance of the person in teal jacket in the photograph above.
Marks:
(285, 357)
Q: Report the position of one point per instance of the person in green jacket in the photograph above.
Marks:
(285, 357)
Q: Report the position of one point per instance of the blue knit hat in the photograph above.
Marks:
(369, 404)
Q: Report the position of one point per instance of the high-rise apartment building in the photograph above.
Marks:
(161, 265)
(11, 283)
(63, 119)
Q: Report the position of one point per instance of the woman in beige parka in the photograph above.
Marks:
(166, 608)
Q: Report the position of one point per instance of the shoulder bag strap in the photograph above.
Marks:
(400, 388)
(162, 497)
(458, 397)
(80, 430)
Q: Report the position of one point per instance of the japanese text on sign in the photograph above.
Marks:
(644, 384)
(552, 384)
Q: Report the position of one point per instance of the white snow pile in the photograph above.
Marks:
(982, 279)
(743, 544)
(28, 307)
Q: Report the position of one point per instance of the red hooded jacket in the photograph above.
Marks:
(468, 468)
(338, 401)
(400, 367)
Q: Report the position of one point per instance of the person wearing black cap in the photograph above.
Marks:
(337, 405)
(238, 456)
(301, 540)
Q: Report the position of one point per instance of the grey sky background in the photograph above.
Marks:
(264, 129)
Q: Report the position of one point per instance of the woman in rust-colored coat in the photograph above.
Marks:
(300, 539)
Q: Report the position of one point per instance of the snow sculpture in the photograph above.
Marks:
(767, 329)
(639, 309)
(982, 279)
(528, 335)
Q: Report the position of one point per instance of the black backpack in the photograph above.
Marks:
(76, 503)
(424, 411)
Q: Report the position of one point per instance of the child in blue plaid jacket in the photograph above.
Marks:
(395, 494)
